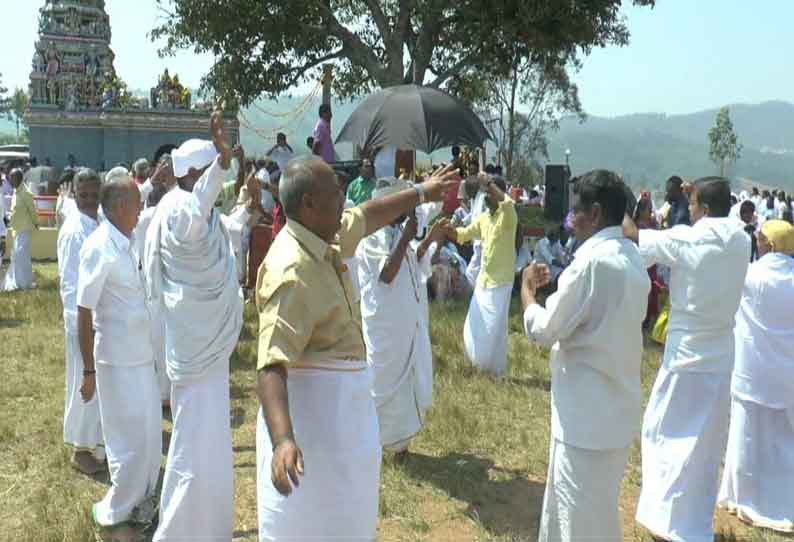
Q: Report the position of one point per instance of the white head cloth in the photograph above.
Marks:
(193, 153)
(263, 176)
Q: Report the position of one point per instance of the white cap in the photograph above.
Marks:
(193, 153)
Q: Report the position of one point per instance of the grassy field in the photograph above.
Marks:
(476, 472)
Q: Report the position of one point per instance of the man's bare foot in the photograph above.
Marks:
(85, 462)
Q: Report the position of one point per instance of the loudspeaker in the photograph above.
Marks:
(557, 200)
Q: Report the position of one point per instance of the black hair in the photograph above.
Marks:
(500, 182)
(490, 169)
(455, 151)
(675, 180)
(310, 142)
(607, 190)
(746, 206)
(714, 193)
(325, 108)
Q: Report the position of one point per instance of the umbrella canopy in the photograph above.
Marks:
(413, 117)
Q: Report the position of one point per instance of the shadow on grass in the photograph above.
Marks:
(532, 382)
(10, 324)
(503, 501)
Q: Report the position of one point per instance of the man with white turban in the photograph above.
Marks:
(191, 270)
(758, 478)
(395, 332)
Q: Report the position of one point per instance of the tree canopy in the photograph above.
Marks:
(266, 47)
(724, 143)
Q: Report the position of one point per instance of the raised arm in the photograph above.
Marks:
(395, 260)
(386, 210)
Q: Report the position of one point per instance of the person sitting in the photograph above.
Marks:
(758, 478)
(549, 251)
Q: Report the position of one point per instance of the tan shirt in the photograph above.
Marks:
(307, 314)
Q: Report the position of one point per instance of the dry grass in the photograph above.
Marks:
(475, 473)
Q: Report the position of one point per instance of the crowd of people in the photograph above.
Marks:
(154, 267)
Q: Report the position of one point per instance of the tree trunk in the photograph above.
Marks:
(511, 125)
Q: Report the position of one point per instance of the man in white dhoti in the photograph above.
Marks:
(82, 428)
(685, 427)
(310, 329)
(191, 271)
(156, 187)
(758, 478)
(594, 323)
(24, 220)
(116, 345)
(395, 331)
(485, 329)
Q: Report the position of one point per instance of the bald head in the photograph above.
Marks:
(298, 179)
(121, 202)
(311, 196)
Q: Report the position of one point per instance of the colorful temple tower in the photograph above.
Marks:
(79, 106)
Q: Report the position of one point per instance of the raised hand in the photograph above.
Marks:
(411, 226)
(440, 181)
(219, 138)
(535, 276)
(439, 230)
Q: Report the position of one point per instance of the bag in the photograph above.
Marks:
(659, 332)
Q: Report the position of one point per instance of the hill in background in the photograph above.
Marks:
(645, 148)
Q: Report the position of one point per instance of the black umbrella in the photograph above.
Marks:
(413, 117)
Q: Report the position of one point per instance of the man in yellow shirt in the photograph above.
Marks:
(485, 329)
(310, 329)
(23, 221)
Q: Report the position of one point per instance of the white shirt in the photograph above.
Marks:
(110, 285)
(780, 208)
(281, 156)
(546, 252)
(144, 220)
(192, 272)
(594, 322)
(707, 262)
(764, 371)
(3, 229)
(71, 236)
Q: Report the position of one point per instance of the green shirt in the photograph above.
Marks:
(360, 190)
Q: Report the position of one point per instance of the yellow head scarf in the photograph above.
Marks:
(780, 235)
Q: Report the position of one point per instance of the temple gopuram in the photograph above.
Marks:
(80, 106)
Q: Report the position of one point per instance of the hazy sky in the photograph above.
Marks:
(684, 55)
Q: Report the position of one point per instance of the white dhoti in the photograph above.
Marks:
(758, 478)
(403, 392)
(82, 426)
(485, 329)
(20, 272)
(158, 345)
(473, 269)
(582, 494)
(130, 409)
(684, 434)
(336, 427)
(197, 502)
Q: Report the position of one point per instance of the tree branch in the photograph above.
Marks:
(301, 70)
(446, 74)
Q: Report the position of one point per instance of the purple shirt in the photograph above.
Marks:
(322, 136)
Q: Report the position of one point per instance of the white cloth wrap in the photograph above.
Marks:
(582, 493)
(758, 478)
(196, 281)
(485, 328)
(82, 427)
(336, 427)
(197, 501)
(20, 272)
(129, 404)
(684, 435)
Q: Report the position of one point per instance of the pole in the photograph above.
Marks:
(327, 79)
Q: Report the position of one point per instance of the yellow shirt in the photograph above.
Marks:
(497, 232)
(23, 211)
(307, 314)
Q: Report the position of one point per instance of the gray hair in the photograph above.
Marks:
(140, 167)
(115, 191)
(296, 180)
(117, 172)
(85, 175)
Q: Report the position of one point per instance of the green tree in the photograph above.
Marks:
(524, 106)
(19, 104)
(270, 46)
(4, 103)
(725, 147)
